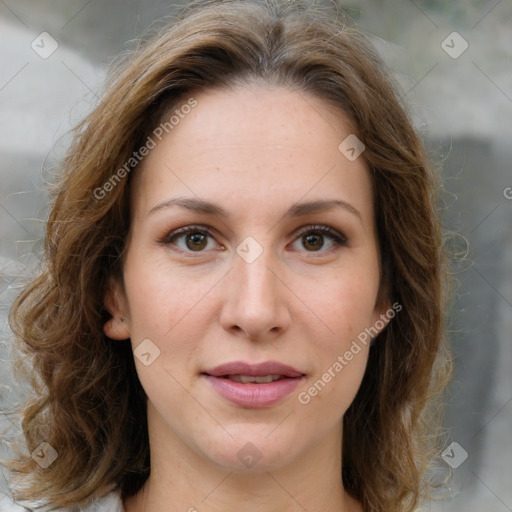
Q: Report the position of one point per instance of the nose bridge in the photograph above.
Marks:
(254, 301)
(255, 280)
(255, 276)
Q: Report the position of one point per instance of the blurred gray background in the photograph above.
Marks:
(453, 61)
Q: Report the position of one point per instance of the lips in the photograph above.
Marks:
(254, 385)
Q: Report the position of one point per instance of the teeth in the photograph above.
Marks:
(245, 379)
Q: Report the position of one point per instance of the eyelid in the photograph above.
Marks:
(325, 230)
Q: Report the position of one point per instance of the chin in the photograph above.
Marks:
(253, 450)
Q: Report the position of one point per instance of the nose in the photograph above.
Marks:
(255, 301)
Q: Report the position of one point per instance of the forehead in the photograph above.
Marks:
(255, 114)
(278, 142)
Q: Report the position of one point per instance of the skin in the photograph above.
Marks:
(255, 151)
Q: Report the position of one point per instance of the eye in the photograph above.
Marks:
(192, 238)
(313, 238)
(195, 238)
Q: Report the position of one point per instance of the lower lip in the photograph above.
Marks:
(252, 394)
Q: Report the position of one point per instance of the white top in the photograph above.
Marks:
(111, 502)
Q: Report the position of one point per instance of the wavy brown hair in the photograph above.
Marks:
(89, 404)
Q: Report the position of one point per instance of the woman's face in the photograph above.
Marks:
(281, 264)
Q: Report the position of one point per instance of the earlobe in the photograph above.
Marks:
(116, 327)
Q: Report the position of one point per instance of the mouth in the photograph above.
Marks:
(254, 385)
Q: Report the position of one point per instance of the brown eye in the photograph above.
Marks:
(196, 241)
(189, 239)
(313, 242)
(313, 238)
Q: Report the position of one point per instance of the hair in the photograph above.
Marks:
(88, 402)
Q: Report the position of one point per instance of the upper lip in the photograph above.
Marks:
(254, 370)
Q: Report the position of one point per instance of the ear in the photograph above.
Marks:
(382, 315)
(116, 327)
(383, 310)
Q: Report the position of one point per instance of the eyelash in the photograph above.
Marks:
(339, 239)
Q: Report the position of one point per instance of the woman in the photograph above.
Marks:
(245, 283)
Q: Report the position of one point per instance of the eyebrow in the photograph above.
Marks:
(297, 210)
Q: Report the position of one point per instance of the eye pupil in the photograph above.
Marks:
(315, 240)
(198, 241)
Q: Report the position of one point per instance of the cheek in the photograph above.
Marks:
(345, 304)
(344, 301)
(161, 294)
(168, 306)
(164, 308)
(340, 364)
